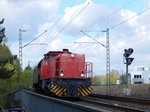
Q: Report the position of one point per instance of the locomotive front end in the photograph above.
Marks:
(64, 74)
(73, 76)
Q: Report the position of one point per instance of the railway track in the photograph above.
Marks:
(124, 104)
(142, 101)
(112, 103)
(113, 106)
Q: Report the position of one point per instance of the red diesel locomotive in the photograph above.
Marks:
(64, 74)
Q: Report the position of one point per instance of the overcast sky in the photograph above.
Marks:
(64, 20)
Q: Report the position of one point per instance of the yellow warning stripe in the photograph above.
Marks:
(87, 90)
(82, 93)
(90, 88)
(52, 86)
(65, 90)
(56, 89)
(79, 91)
(59, 91)
(60, 94)
(79, 94)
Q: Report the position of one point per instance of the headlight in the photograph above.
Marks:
(72, 55)
(82, 75)
(61, 74)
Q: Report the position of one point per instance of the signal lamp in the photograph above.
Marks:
(128, 52)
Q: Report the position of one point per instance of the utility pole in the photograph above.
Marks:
(2, 31)
(107, 56)
(107, 59)
(20, 46)
(126, 72)
(107, 46)
(20, 52)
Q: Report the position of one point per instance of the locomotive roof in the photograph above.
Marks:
(56, 52)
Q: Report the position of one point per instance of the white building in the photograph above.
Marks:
(140, 74)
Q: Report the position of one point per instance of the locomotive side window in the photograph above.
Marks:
(57, 66)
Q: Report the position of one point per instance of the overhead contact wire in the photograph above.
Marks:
(128, 19)
(70, 22)
(113, 13)
(35, 38)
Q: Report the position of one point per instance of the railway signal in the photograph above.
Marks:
(126, 54)
(128, 61)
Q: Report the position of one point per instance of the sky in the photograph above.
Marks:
(64, 20)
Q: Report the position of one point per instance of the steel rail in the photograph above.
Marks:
(126, 99)
(113, 106)
(109, 105)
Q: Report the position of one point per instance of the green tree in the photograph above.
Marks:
(114, 75)
(6, 62)
(99, 79)
(27, 77)
(8, 70)
(123, 79)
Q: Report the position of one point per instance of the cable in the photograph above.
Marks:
(69, 22)
(86, 41)
(93, 39)
(120, 8)
(34, 39)
(61, 17)
(111, 14)
(46, 30)
(128, 19)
